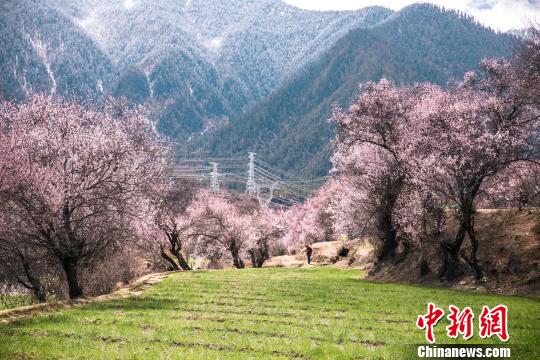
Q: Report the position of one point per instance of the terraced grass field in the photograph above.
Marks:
(308, 313)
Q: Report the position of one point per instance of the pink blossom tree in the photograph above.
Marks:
(220, 228)
(174, 226)
(265, 228)
(405, 153)
(459, 138)
(10, 146)
(311, 221)
(21, 263)
(369, 157)
(85, 173)
(517, 186)
(350, 208)
(161, 235)
(235, 227)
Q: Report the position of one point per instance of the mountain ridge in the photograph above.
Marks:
(227, 78)
(289, 127)
(204, 61)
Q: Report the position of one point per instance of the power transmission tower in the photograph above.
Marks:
(272, 188)
(251, 186)
(214, 181)
(268, 200)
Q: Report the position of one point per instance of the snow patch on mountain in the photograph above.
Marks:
(147, 73)
(214, 44)
(87, 22)
(41, 50)
(129, 4)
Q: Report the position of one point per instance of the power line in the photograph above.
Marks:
(262, 180)
(263, 163)
(275, 177)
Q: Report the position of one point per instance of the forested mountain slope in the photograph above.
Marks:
(289, 128)
(43, 50)
(231, 77)
(195, 63)
(255, 42)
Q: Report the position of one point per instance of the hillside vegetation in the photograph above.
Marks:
(509, 249)
(194, 63)
(200, 65)
(420, 43)
(309, 313)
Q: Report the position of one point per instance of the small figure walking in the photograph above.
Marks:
(309, 252)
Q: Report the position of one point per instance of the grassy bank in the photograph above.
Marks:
(259, 313)
(12, 301)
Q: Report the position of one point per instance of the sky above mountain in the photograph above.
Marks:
(501, 15)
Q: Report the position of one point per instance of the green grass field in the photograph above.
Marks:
(282, 313)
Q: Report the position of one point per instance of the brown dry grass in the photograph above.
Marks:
(509, 254)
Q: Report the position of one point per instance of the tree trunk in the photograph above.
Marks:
(176, 249)
(389, 237)
(386, 223)
(265, 253)
(450, 268)
(253, 257)
(183, 263)
(237, 261)
(258, 257)
(69, 262)
(35, 285)
(70, 268)
(472, 260)
(169, 260)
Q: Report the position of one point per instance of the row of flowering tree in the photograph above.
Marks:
(72, 184)
(407, 158)
(220, 227)
(81, 182)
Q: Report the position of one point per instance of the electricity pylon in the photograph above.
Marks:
(251, 186)
(214, 181)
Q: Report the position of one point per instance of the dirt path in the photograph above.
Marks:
(353, 254)
(133, 289)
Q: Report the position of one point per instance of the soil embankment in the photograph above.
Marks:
(509, 254)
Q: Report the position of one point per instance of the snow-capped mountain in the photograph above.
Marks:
(202, 64)
(195, 62)
(289, 128)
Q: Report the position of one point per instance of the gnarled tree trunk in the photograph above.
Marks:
(388, 238)
(472, 259)
(34, 283)
(258, 257)
(237, 261)
(183, 263)
(452, 250)
(69, 265)
(389, 241)
(170, 261)
(176, 250)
